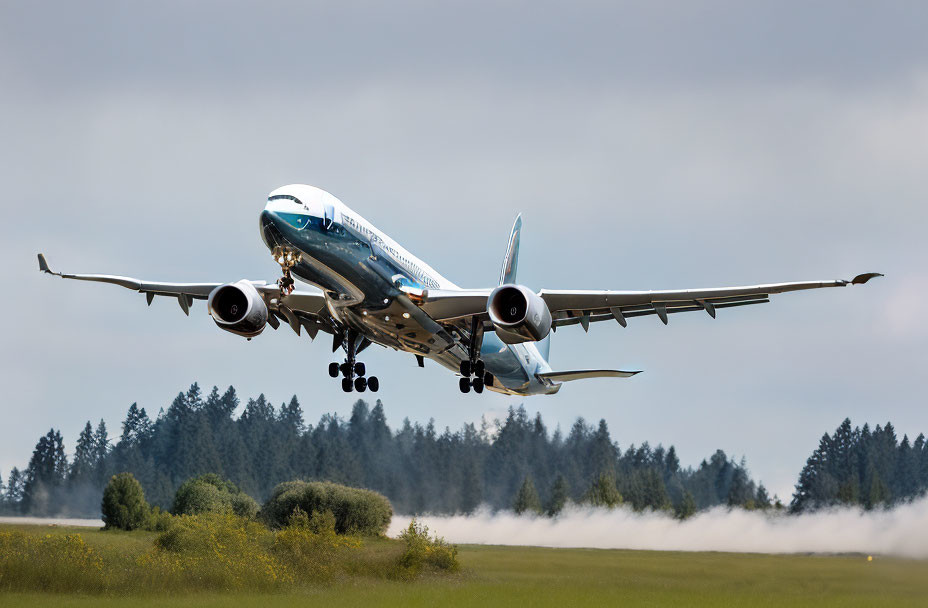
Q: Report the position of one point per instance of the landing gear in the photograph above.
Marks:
(473, 365)
(287, 260)
(352, 371)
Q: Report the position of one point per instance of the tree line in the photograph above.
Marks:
(860, 466)
(511, 463)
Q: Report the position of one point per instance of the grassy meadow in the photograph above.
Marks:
(517, 576)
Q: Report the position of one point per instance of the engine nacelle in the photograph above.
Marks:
(518, 314)
(238, 308)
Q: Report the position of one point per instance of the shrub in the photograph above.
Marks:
(214, 551)
(310, 547)
(49, 563)
(212, 494)
(424, 552)
(158, 520)
(356, 511)
(124, 505)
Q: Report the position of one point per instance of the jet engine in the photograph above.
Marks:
(238, 308)
(518, 314)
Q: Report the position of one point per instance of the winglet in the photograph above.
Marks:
(861, 278)
(43, 265)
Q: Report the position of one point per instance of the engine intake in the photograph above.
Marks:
(238, 308)
(518, 314)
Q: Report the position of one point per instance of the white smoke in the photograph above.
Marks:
(902, 531)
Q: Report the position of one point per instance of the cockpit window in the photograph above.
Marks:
(288, 197)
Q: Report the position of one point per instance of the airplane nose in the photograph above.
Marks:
(270, 232)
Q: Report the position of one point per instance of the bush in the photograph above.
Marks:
(356, 511)
(49, 563)
(212, 494)
(158, 520)
(424, 552)
(214, 551)
(124, 505)
(310, 547)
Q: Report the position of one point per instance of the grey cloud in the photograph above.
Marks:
(244, 46)
(647, 148)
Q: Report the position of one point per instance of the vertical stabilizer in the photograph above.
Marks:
(511, 261)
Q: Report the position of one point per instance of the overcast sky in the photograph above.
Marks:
(648, 145)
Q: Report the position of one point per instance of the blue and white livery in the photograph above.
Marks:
(374, 291)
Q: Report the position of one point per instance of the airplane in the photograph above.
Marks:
(373, 291)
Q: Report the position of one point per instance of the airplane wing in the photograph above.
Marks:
(298, 309)
(570, 307)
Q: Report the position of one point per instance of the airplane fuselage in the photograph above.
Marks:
(361, 271)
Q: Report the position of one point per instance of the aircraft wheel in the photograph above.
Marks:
(373, 384)
(479, 369)
(465, 368)
(360, 384)
(464, 385)
(478, 385)
(359, 369)
(347, 385)
(488, 379)
(344, 369)
(333, 369)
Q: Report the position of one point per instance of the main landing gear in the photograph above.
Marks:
(473, 369)
(352, 370)
(475, 376)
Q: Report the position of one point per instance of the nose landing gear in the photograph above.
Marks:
(353, 371)
(287, 260)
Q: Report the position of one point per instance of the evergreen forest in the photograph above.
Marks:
(515, 463)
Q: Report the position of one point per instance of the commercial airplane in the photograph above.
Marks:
(376, 292)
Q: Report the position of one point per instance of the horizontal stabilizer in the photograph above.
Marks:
(582, 374)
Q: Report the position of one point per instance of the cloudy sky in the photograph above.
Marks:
(649, 146)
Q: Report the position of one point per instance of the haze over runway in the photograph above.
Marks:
(647, 147)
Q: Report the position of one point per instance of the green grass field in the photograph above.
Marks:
(519, 576)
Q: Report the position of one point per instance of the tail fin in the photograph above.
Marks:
(511, 261)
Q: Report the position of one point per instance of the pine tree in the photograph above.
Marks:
(45, 474)
(84, 464)
(655, 491)
(687, 506)
(527, 498)
(603, 493)
(15, 490)
(878, 492)
(560, 494)
(137, 427)
(291, 417)
(101, 443)
(761, 498)
(472, 489)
